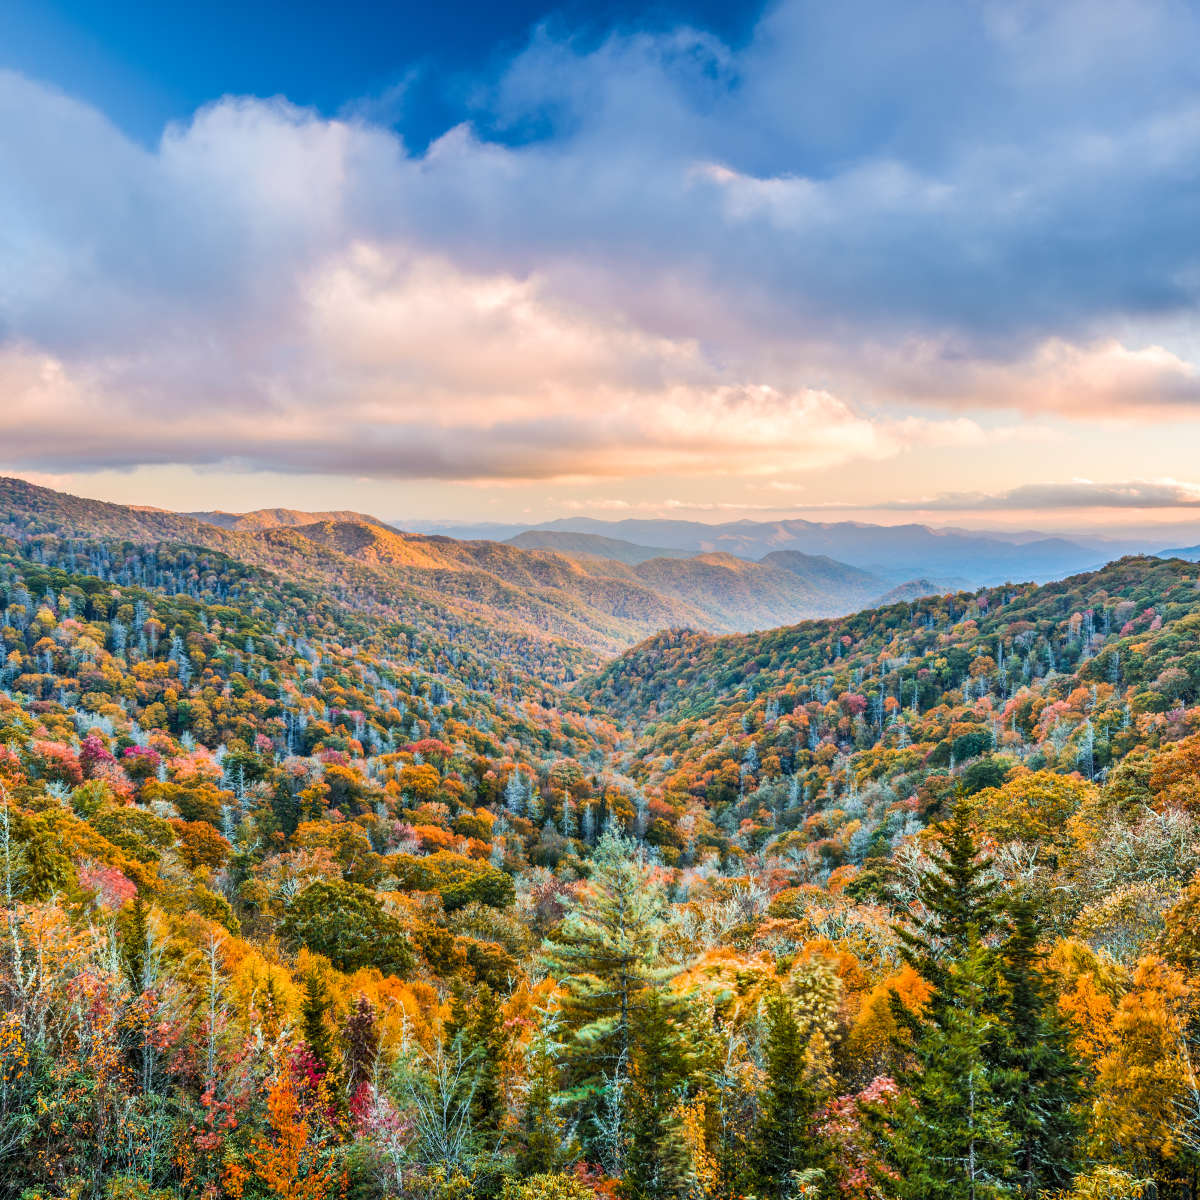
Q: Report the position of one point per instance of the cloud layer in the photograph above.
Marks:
(872, 228)
(1048, 497)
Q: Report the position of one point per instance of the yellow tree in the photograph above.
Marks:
(1142, 1078)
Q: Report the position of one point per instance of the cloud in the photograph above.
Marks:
(1076, 494)
(1103, 380)
(385, 416)
(656, 255)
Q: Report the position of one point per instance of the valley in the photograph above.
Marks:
(370, 784)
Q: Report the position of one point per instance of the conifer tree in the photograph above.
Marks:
(455, 1026)
(785, 1144)
(657, 1162)
(948, 1138)
(135, 941)
(313, 1012)
(607, 959)
(473, 1036)
(960, 900)
(285, 805)
(455, 1038)
(541, 1132)
(1040, 1080)
(485, 1044)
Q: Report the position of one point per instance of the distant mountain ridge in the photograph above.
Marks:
(896, 551)
(579, 586)
(588, 601)
(953, 557)
(274, 518)
(591, 545)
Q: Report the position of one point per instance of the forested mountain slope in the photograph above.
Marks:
(575, 545)
(896, 678)
(273, 518)
(899, 551)
(599, 603)
(318, 882)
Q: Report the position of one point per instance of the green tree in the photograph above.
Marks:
(797, 1052)
(657, 1161)
(346, 923)
(285, 804)
(1040, 1079)
(541, 1133)
(948, 1138)
(957, 903)
(485, 1042)
(314, 1014)
(43, 870)
(607, 958)
(134, 933)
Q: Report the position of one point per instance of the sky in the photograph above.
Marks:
(933, 261)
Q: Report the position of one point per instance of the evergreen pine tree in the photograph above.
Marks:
(485, 1044)
(135, 940)
(785, 1144)
(948, 1138)
(607, 960)
(960, 900)
(455, 1026)
(313, 1012)
(657, 1161)
(1040, 1079)
(541, 1133)
(285, 804)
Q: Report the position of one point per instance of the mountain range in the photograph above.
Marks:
(894, 553)
(589, 592)
(300, 761)
(580, 582)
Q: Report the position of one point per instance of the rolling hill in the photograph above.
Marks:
(896, 552)
(273, 518)
(594, 602)
(590, 545)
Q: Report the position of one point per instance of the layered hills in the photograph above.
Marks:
(291, 809)
(572, 593)
(898, 553)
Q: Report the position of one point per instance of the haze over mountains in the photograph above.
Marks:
(594, 584)
(896, 553)
(579, 600)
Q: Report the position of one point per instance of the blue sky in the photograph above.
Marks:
(417, 64)
(937, 258)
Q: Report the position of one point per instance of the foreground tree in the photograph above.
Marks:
(607, 959)
(948, 1137)
(786, 1146)
(657, 1163)
(1040, 1078)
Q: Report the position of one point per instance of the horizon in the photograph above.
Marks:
(539, 260)
(600, 600)
(1121, 535)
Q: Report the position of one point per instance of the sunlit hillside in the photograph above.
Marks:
(286, 795)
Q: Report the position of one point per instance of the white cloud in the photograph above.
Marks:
(756, 261)
(1040, 497)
